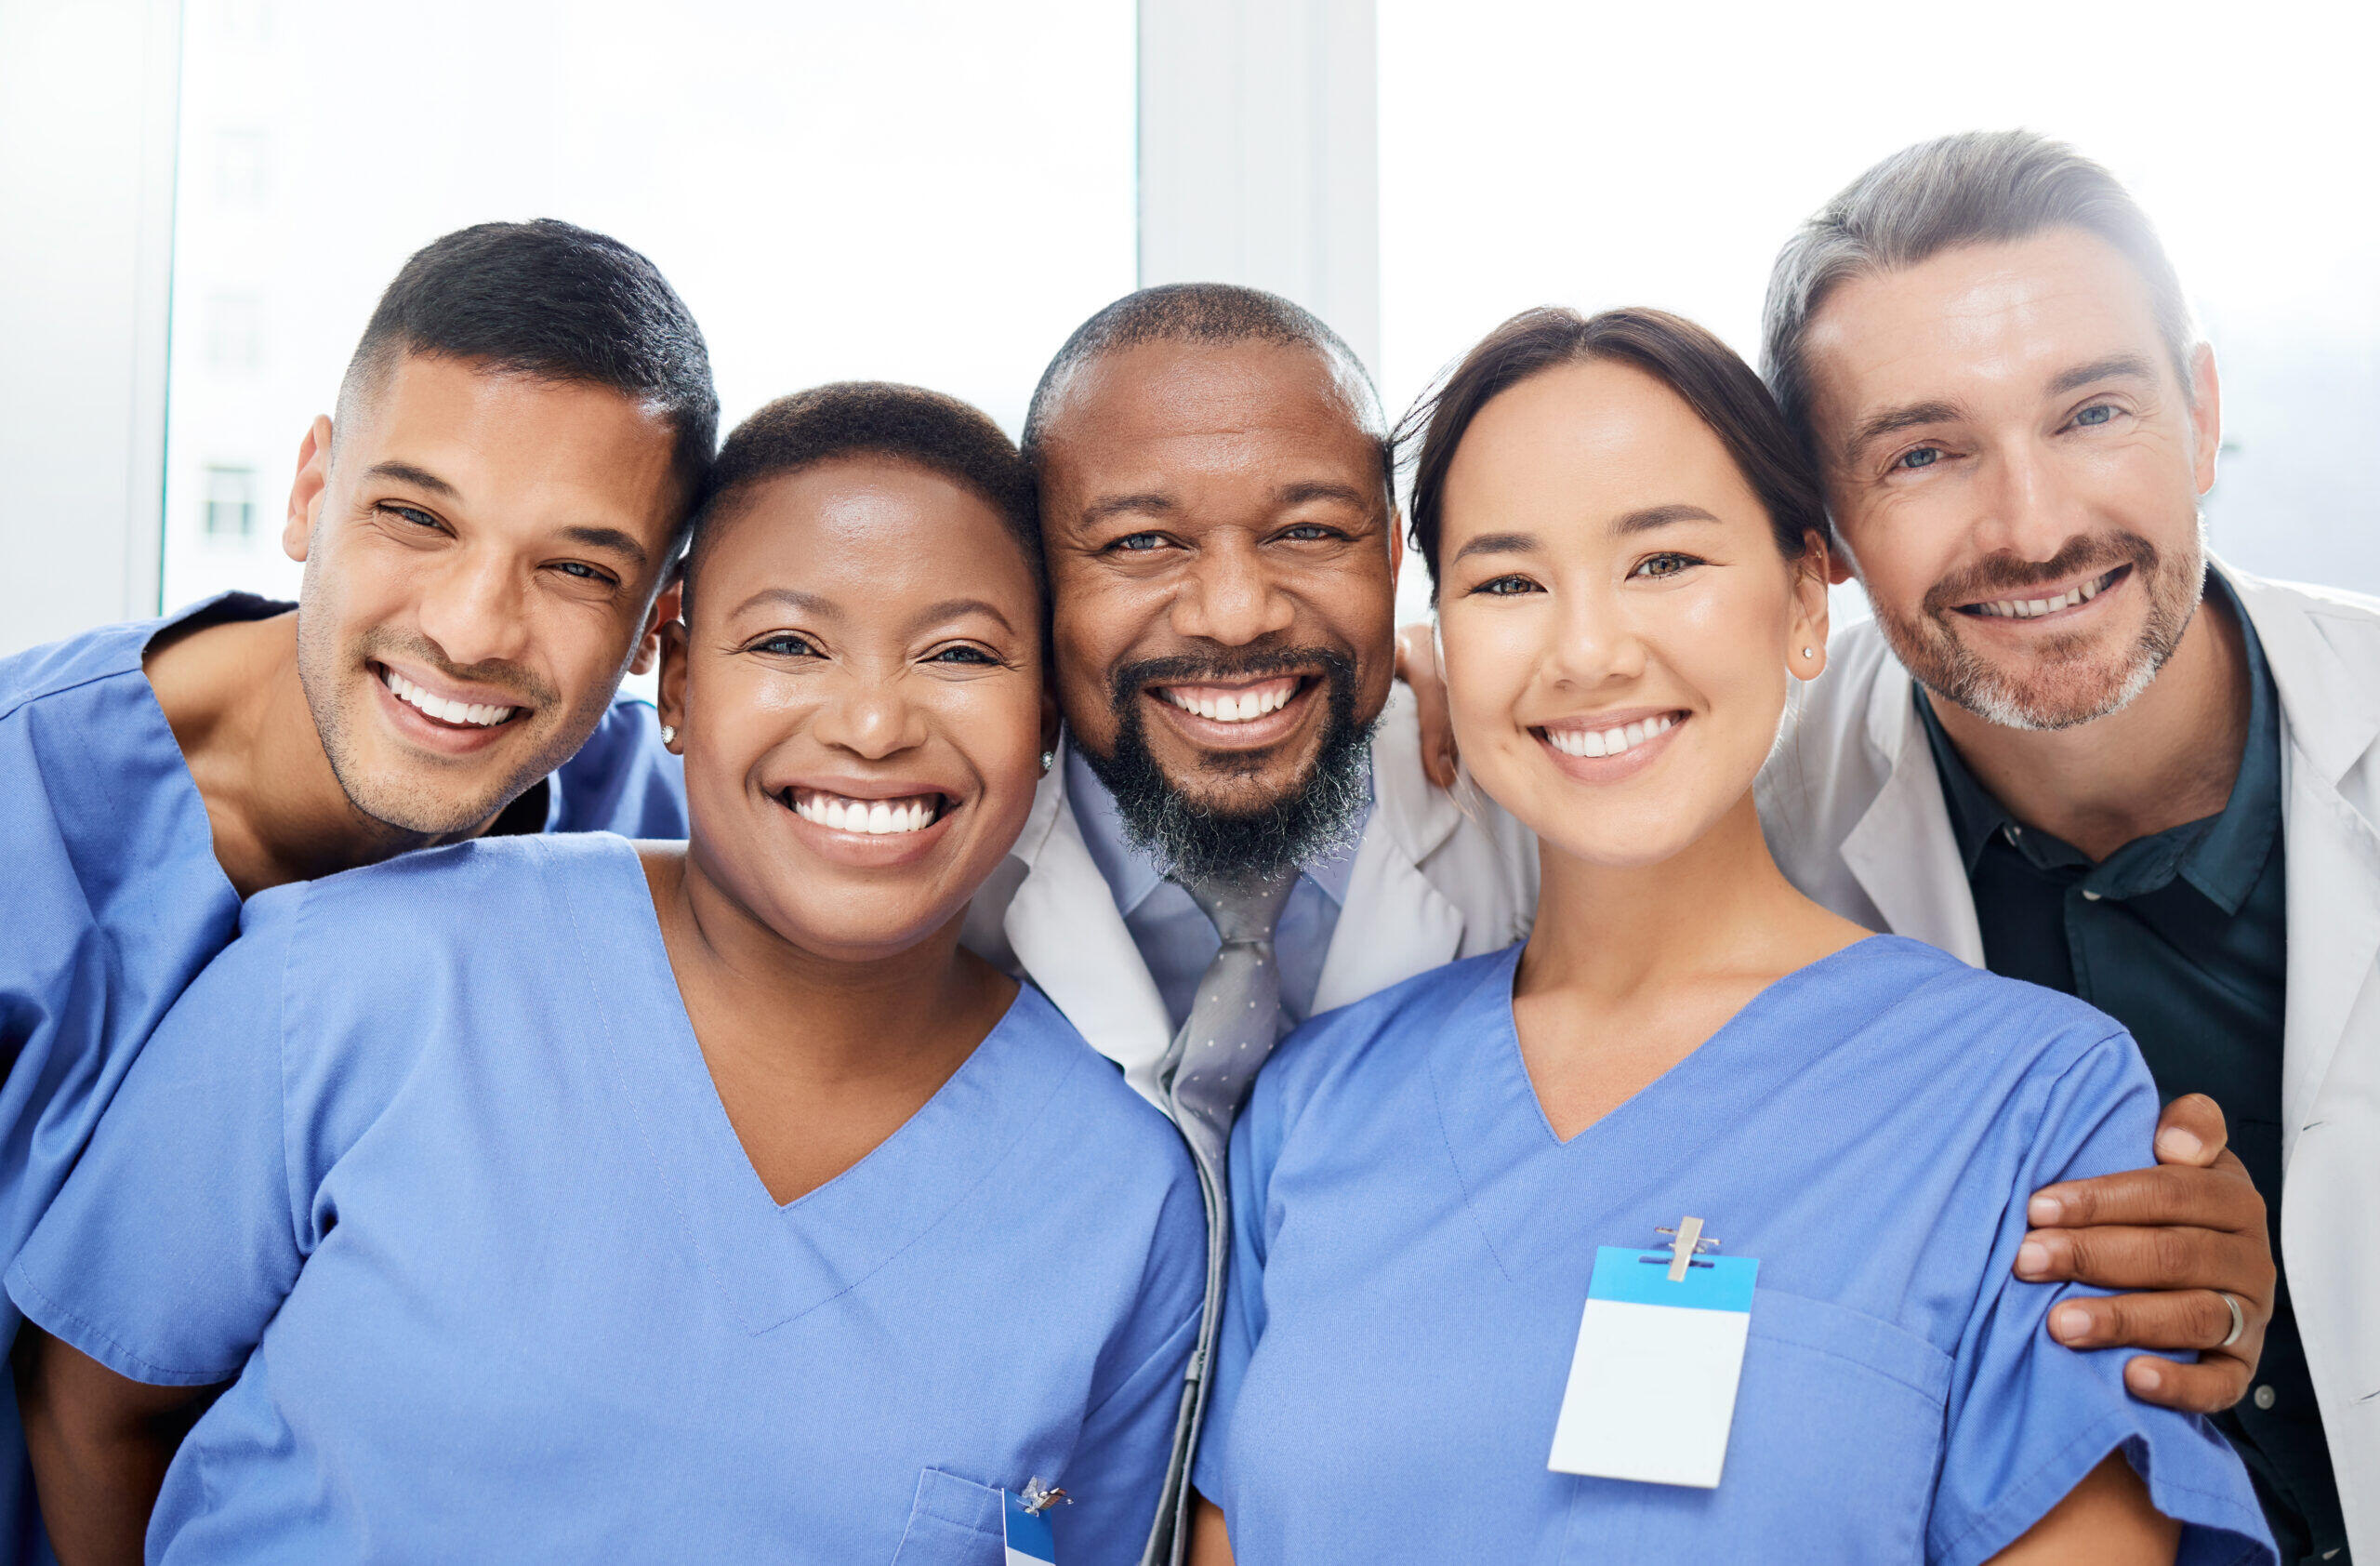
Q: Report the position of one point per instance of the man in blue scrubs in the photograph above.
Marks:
(486, 529)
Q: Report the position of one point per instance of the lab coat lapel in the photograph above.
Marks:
(1068, 937)
(2333, 850)
(1902, 850)
(1394, 922)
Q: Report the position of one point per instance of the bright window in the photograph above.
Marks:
(908, 190)
(1602, 155)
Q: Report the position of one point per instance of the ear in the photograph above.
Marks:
(2206, 417)
(306, 490)
(1395, 547)
(1812, 574)
(666, 607)
(672, 694)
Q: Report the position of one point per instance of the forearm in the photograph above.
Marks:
(99, 1445)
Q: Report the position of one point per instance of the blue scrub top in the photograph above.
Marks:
(430, 1163)
(112, 900)
(1413, 1247)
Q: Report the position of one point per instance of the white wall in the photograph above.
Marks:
(86, 149)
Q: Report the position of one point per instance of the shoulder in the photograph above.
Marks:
(1093, 1106)
(2348, 622)
(45, 672)
(623, 779)
(1377, 1032)
(1927, 1017)
(441, 905)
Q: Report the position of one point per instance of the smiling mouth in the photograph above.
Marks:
(439, 710)
(1613, 741)
(841, 813)
(1232, 704)
(2033, 608)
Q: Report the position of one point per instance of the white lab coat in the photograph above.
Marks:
(1429, 883)
(1853, 813)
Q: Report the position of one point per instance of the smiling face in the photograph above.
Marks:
(1616, 619)
(1224, 579)
(482, 553)
(2014, 464)
(861, 703)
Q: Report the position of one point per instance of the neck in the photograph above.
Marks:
(878, 1018)
(2167, 758)
(231, 694)
(1719, 906)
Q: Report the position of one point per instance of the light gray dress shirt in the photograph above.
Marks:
(1177, 941)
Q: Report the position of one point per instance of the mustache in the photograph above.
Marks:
(381, 646)
(2004, 575)
(1201, 669)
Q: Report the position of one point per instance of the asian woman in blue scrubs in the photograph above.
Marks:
(583, 1199)
(1630, 563)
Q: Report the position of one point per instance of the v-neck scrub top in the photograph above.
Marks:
(429, 1166)
(1413, 1247)
(111, 900)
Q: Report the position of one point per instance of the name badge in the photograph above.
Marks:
(1026, 1532)
(1652, 1389)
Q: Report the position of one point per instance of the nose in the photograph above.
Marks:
(1596, 640)
(2031, 511)
(476, 610)
(1228, 596)
(868, 715)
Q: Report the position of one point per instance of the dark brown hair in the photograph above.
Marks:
(1705, 373)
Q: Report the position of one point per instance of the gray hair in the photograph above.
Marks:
(1976, 188)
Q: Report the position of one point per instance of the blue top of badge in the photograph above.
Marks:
(1633, 1277)
(1028, 1535)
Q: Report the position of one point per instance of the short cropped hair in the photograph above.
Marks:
(1219, 315)
(1704, 372)
(556, 303)
(1975, 188)
(875, 418)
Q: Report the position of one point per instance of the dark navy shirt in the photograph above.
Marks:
(2182, 936)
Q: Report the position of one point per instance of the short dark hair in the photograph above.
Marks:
(1975, 187)
(1705, 373)
(872, 418)
(553, 301)
(1219, 315)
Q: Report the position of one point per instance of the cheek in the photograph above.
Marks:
(1492, 654)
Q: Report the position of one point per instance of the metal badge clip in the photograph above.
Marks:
(1686, 1241)
(1038, 1498)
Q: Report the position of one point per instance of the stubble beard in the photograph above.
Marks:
(2061, 685)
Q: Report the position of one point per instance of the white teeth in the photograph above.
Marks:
(2027, 608)
(478, 714)
(872, 817)
(1232, 707)
(1609, 742)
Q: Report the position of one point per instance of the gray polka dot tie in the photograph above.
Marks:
(1233, 1023)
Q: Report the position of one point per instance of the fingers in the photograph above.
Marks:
(1417, 665)
(2120, 1256)
(2191, 1131)
(2210, 1387)
(2221, 1197)
(2194, 1319)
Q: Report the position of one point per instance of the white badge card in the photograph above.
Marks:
(1026, 1532)
(1652, 1389)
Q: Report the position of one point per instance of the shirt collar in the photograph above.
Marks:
(1132, 875)
(2221, 856)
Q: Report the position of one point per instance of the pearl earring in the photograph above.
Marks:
(669, 735)
(1808, 653)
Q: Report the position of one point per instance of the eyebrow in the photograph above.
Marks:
(1324, 489)
(1651, 517)
(421, 478)
(1497, 543)
(2115, 366)
(1891, 422)
(1117, 505)
(826, 609)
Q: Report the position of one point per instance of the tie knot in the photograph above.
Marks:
(1244, 910)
